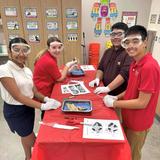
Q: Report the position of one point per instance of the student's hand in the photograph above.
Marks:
(51, 104)
(109, 100)
(99, 90)
(94, 82)
(71, 63)
(73, 67)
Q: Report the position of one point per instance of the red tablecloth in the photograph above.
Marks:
(60, 144)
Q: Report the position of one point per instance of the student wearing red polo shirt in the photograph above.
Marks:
(46, 72)
(138, 102)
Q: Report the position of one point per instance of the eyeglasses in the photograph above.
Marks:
(116, 34)
(56, 46)
(135, 40)
(20, 47)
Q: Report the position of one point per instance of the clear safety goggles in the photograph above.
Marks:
(57, 46)
(134, 40)
(20, 47)
(116, 34)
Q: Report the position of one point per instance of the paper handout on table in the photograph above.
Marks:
(87, 67)
(102, 129)
(74, 89)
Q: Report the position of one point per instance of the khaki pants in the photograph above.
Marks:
(136, 141)
(118, 112)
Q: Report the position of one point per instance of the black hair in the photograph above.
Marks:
(52, 39)
(137, 29)
(120, 25)
(17, 40)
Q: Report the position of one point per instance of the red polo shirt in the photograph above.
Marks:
(143, 76)
(46, 73)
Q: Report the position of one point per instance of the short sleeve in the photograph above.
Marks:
(4, 72)
(149, 79)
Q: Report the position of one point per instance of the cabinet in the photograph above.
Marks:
(3, 46)
(36, 20)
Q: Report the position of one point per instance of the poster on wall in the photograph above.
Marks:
(130, 18)
(30, 13)
(12, 25)
(158, 22)
(72, 25)
(32, 25)
(113, 10)
(10, 11)
(104, 13)
(71, 13)
(52, 35)
(107, 29)
(153, 18)
(51, 13)
(98, 27)
(72, 36)
(52, 26)
(34, 38)
(12, 36)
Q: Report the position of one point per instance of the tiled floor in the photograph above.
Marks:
(11, 149)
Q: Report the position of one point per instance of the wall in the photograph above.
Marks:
(155, 10)
(122, 5)
(156, 48)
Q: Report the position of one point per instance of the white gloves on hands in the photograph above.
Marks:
(50, 104)
(94, 82)
(109, 100)
(99, 90)
(71, 63)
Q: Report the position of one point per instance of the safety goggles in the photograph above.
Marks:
(57, 46)
(134, 40)
(20, 47)
(116, 34)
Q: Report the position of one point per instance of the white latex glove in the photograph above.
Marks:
(50, 104)
(99, 90)
(109, 100)
(71, 63)
(94, 82)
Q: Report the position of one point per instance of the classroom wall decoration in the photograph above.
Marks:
(103, 12)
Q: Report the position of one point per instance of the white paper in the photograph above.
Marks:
(102, 129)
(64, 89)
(77, 89)
(87, 67)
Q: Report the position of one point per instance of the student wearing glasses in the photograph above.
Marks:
(114, 65)
(138, 102)
(18, 91)
(46, 71)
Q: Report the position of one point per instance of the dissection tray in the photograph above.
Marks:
(77, 106)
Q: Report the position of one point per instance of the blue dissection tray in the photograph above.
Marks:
(77, 106)
(77, 72)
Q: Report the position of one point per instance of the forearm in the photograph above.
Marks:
(99, 74)
(64, 73)
(129, 104)
(116, 82)
(139, 103)
(38, 95)
(28, 101)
